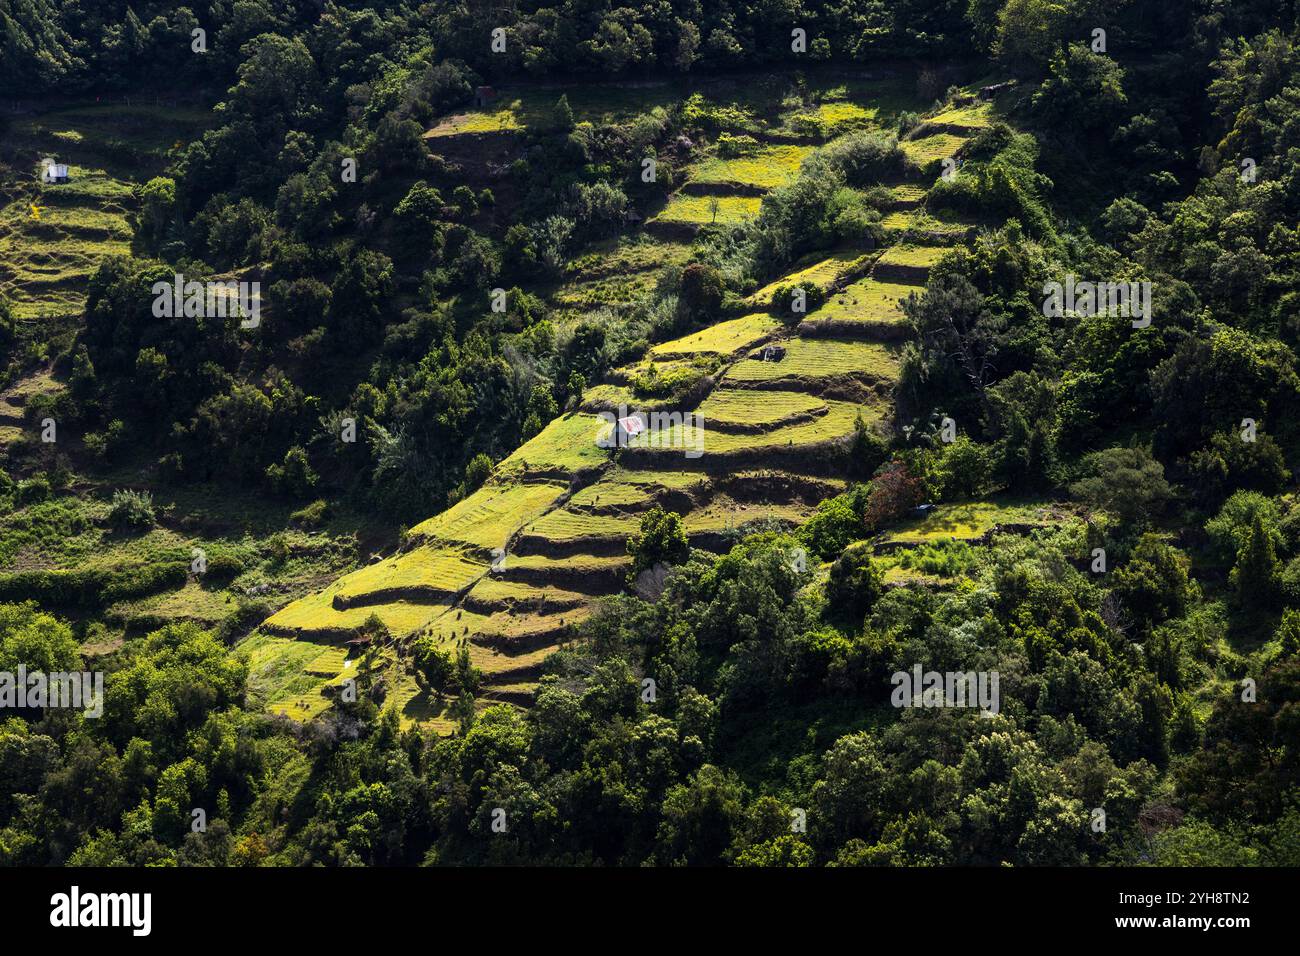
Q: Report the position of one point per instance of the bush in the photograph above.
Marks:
(832, 527)
(131, 510)
(854, 585)
(312, 516)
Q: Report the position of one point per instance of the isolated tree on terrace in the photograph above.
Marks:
(660, 539)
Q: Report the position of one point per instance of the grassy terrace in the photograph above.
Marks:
(925, 150)
(948, 227)
(971, 520)
(565, 525)
(47, 255)
(837, 422)
(316, 616)
(496, 590)
(770, 167)
(812, 359)
(867, 300)
(616, 272)
(914, 256)
(972, 117)
(724, 338)
(698, 210)
(750, 409)
(533, 108)
(426, 573)
(816, 270)
(488, 517)
(567, 444)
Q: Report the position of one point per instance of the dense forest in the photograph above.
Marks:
(428, 307)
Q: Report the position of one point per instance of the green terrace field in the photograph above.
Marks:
(698, 210)
(968, 118)
(837, 422)
(565, 525)
(622, 490)
(615, 273)
(315, 616)
(910, 256)
(849, 105)
(924, 150)
(810, 360)
(493, 590)
(567, 444)
(425, 573)
(487, 518)
(944, 226)
(970, 521)
(533, 107)
(867, 300)
(815, 270)
(724, 338)
(770, 167)
(749, 410)
(48, 252)
(907, 195)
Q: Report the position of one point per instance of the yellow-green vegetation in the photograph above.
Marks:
(907, 194)
(725, 338)
(914, 256)
(620, 488)
(974, 116)
(567, 444)
(428, 572)
(836, 423)
(287, 676)
(812, 359)
(726, 515)
(700, 211)
(928, 149)
(534, 108)
(582, 564)
(565, 525)
(913, 220)
(315, 615)
(816, 270)
(494, 589)
(616, 272)
(488, 517)
(768, 168)
(970, 520)
(748, 407)
(867, 300)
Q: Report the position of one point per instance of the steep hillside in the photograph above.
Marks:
(511, 570)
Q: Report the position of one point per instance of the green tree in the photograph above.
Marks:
(1256, 575)
(661, 538)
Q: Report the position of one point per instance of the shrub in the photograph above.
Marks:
(312, 515)
(131, 510)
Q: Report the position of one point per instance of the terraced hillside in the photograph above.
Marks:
(52, 236)
(510, 570)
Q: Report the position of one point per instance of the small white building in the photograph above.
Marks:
(52, 172)
(627, 429)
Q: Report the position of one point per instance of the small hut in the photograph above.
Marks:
(52, 172)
